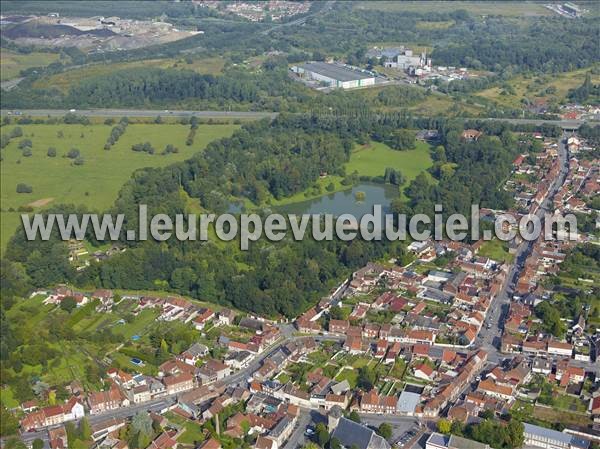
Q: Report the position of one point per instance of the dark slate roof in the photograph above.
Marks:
(350, 433)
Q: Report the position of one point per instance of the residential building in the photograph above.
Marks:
(178, 383)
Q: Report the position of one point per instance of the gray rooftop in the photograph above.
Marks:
(281, 426)
(335, 71)
(341, 387)
(350, 433)
(438, 439)
(463, 443)
(407, 402)
(547, 433)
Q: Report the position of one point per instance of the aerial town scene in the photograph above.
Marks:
(160, 287)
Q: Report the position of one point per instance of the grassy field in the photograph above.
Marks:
(351, 375)
(475, 8)
(554, 415)
(64, 80)
(11, 63)
(373, 159)
(96, 182)
(496, 250)
(535, 88)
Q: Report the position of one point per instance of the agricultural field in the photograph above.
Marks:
(56, 180)
(475, 8)
(548, 88)
(11, 63)
(69, 77)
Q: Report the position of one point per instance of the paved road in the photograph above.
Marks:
(10, 84)
(297, 438)
(125, 412)
(140, 113)
(566, 124)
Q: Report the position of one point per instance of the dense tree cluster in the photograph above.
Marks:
(116, 132)
(468, 172)
(498, 434)
(145, 147)
(586, 92)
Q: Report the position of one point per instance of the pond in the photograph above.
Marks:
(345, 202)
(338, 203)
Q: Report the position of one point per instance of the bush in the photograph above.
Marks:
(145, 147)
(51, 152)
(27, 152)
(25, 143)
(24, 188)
(73, 153)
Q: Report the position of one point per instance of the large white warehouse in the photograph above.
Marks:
(335, 75)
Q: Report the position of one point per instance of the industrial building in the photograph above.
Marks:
(541, 437)
(406, 60)
(572, 9)
(335, 75)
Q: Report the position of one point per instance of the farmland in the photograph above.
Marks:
(56, 180)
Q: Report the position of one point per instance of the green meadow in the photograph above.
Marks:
(373, 159)
(477, 8)
(96, 183)
(11, 63)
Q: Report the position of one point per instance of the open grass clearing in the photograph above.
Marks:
(502, 8)
(374, 158)
(97, 182)
(11, 63)
(534, 88)
(554, 415)
(349, 374)
(496, 250)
